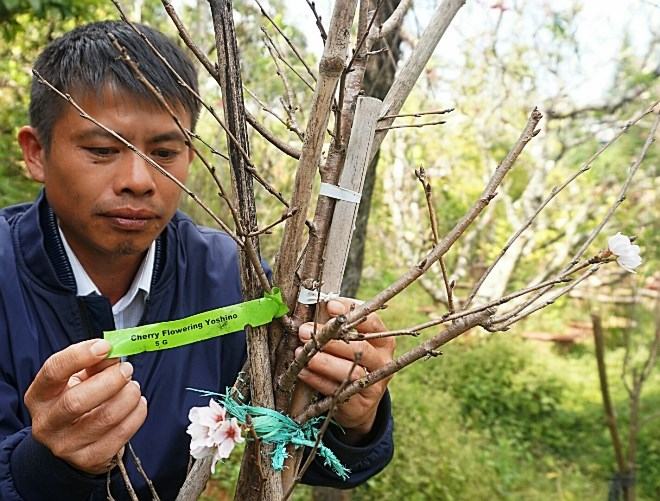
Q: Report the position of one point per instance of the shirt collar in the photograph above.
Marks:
(85, 286)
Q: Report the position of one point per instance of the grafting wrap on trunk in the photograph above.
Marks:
(257, 480)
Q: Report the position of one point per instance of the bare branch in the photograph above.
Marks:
(288, 41)
(271, 138)
(363, 36)
(412, 69)
(288, 97)
(248, 246)
(144, 157)
(211, 68)
(428, 193)
(319, 23)
(619, 200)
(266, 229)
(283, 59)
(332, 328)
(140, 469)
(331, 66)
(408, 126)
(124, 476)
(324, 427)
(232, 139)
(196, 480)
(622, 193)
(265, 108)
(395, 20)
(463, 313)
(187, 39)
(503, 323)
(418, 114)
(421, 351)
(207, 144)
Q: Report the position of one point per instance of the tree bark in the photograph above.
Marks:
(257, 479)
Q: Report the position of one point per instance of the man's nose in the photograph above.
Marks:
(135, 176)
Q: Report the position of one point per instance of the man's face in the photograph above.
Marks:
(110, 202)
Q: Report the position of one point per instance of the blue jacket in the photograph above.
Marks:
(195, 269)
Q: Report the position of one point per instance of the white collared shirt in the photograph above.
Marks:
(128, 310)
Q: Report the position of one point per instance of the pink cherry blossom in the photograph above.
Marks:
(212, 433)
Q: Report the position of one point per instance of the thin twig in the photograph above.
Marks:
(358, 336)
(288, 41)
(283, 59)
(324, 427)
(288, 97)
(108, 481)
(622, 193)
(208, 145)
(268, 110)
(187, 39)
(408, 126)
(364, 36)
(331, 329)
(250, 166)
(146, 158)
(266, 229)
(421, 351)
(428, 193)
(460, 314)
(504, 323)
(319, 23)
(620, 198)
(212, 70)
(418, 114)
(127, 481)
(247, 244)
(138, 466)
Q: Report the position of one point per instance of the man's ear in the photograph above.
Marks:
(34, 153)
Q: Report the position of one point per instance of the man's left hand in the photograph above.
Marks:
(326, 371)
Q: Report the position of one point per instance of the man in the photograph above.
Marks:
(103, 247)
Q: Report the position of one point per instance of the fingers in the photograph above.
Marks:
(373, 323)
(105, 418)
(91, 393)
(370, 354)
(96, 456)
(334, 368)
(56, 371)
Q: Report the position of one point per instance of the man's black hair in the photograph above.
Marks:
(85, 60)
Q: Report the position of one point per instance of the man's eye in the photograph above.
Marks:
(101, 151)
(164, 154)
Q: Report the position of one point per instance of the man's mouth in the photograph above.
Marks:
(130, 219)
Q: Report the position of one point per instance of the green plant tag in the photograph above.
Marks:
(199, 327)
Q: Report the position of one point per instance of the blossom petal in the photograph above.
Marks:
(629, 262)
(225, 448)
(618, 243)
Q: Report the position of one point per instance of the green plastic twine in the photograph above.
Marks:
(280, 430)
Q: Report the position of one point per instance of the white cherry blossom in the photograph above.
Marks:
(627, 253)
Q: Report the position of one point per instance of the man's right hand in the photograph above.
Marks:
(85, 407)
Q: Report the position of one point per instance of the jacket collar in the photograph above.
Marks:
(39, 242)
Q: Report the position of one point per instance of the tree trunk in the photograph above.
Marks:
(257, 480)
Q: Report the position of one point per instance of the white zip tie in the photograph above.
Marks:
(339, 193)
(307, 296)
